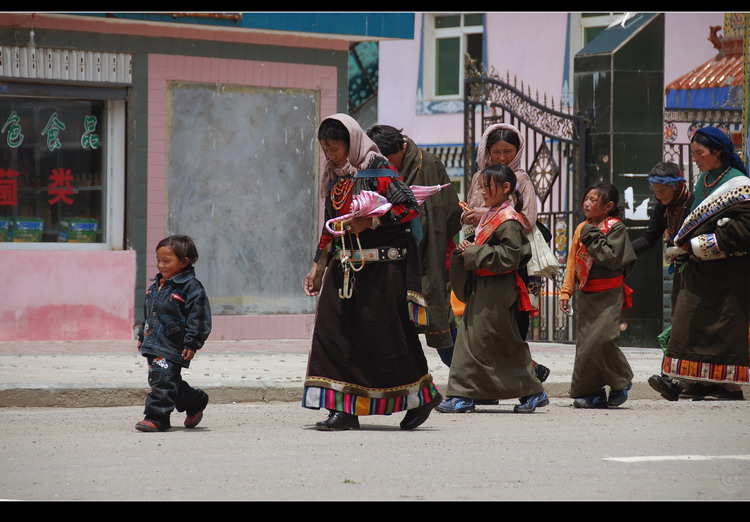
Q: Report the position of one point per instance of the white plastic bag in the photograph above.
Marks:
(543, 262)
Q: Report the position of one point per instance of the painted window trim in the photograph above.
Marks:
(427, 101)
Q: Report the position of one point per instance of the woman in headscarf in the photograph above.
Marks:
(366, 357)
(503, 143)
(707, 352)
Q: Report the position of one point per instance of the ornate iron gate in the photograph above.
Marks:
(554, 160)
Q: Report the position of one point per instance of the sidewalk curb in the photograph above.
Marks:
(110, 397)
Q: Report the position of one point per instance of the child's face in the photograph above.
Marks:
(594, 207)
(168, 264)
(494, 195)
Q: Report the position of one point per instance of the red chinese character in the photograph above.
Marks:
(60, 186)
(8, 187)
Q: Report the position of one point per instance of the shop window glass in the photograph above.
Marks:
(448, 39)
(447, 63)
(53, 186)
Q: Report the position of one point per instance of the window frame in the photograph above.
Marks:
(114, 139)
(432, 35)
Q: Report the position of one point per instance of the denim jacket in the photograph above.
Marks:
(176, 317)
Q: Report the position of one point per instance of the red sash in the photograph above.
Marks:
(484, 232)
(600, 285)
(524, 303)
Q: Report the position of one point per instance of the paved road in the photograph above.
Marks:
(646, 450)
(256, 443)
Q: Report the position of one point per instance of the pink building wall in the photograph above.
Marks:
(686, 44)
(66, 295)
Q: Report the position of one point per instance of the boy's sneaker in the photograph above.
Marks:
(456, 405)
(148, 426)
(193, 419)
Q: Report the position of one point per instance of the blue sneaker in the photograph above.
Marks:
(456, 405)
(595, 400)
(531, 403)
(618, 397)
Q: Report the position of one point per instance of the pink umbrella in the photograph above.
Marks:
(372, 204)
(364, 204)
(422, 192)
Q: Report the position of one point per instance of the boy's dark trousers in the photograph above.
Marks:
(170, 392)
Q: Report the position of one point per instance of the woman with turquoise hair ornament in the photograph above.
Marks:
(707, 352)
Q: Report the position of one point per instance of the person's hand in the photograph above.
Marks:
(565, 306)
(139, 346)
(471, 217)
(357, 225)
(673, 252)
(463, 244)
(313, 280)
(188, 354)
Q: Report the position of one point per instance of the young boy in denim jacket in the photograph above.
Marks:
(177, 321)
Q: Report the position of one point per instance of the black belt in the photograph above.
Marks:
(369, 255)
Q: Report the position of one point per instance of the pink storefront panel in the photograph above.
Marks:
(66, 295)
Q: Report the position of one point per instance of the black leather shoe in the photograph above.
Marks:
(542, 372)
(338, 421)
(665, 386)
(416, 416)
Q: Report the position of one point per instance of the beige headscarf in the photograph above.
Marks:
(523, 182)
(362, 150)
(483, 156)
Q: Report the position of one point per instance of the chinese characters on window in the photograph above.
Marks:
(52, 182)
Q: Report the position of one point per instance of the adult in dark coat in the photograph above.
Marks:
(707, 353)
(440, 220)
(673, 199)
(365, 358)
